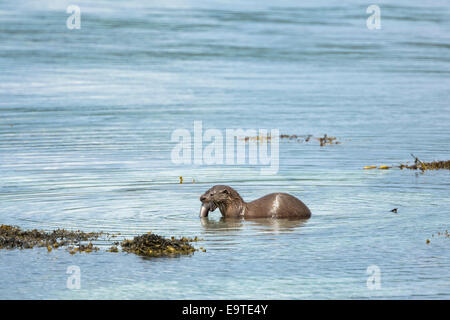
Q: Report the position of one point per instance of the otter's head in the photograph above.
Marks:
(218, 196)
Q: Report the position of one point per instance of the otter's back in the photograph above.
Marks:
(278, 205)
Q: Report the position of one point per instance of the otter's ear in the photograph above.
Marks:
(225, 191)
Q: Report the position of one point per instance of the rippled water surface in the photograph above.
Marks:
(85, 143)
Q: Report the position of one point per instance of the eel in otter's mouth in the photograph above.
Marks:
(206, 208)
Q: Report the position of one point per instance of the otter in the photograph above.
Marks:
(230, 204)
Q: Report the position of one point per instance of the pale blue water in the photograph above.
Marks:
(87, 116)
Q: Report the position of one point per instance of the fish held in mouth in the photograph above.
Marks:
(206, 208)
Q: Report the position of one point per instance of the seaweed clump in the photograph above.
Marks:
(420, 165)
(12, 237)
(113, 249)
(152, 245)
(88, 248)
(259, 138)
(325, 140)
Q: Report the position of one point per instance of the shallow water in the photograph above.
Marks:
(87, 117)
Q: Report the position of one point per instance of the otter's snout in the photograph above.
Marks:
(210, 200)
(208, 204)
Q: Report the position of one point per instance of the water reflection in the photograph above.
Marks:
(265, 225)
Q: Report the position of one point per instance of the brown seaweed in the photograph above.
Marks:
(88, 248)
(420, 165)
(152, 245)
(13, 237)
(325, 140)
